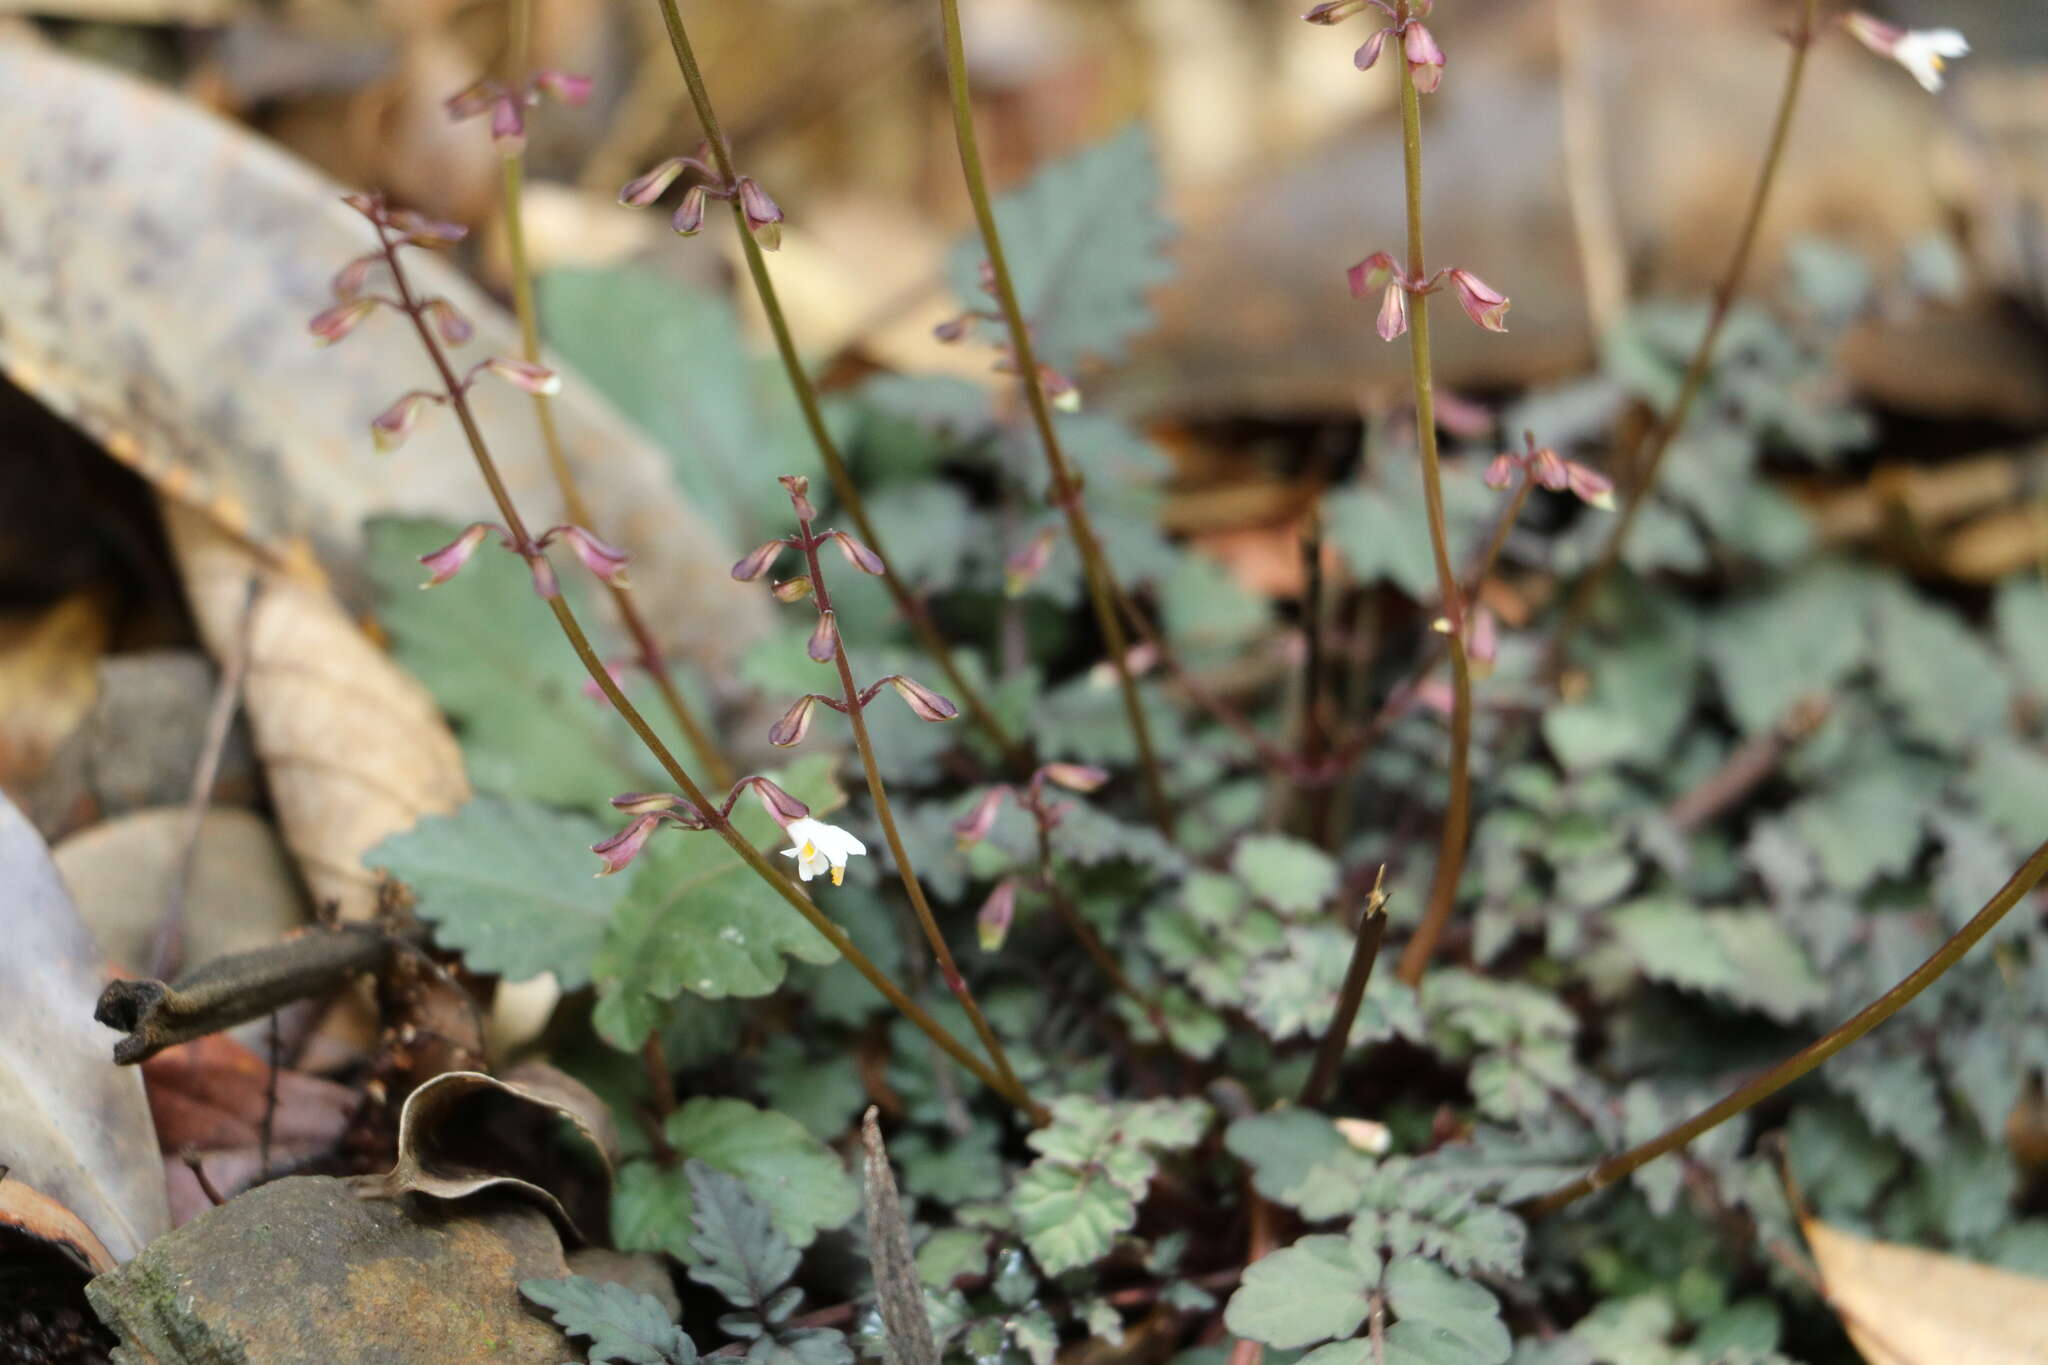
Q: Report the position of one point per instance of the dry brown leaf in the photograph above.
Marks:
(355, 749)
(46, 1221)
(463, 1132)
(161, 266)
(76, 1129)
(1903, 1305)
(48, 682)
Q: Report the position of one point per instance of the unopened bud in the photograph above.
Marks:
(795, 722)
(763, 215)
(444, 563)
(859, 555)
(793, 589)
(643, 803)
(390, 427)
(1592, 487)
(454, 328)
(1022, 568)
(779, 803)
(798, 487)
(619, 851)
(1482, 303)
(688, 219)
(524, 374)
(1425, 58)
(508, 126)
(953, 329)
(1075, 777)
(1373, 274)
(603, 559)
(1500, 471)
(472, 99)
(992, 922)
(1369, 52)
(924, 703)
(640, 192)
(1393, 318)
(545, 585)
(564, 87)
(332, 324)
(971, 828)
(758, 561)
(824, 643)
(350, 279)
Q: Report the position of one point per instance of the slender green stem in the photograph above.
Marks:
(848, 492)
(565, 618)
(1807, 1058)
(519, 60)
(1450, 858)
(948, 967)
(1666, 431)
(1364, 953)
(1066, 488)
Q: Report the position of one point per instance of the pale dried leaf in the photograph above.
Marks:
(1904, 1305)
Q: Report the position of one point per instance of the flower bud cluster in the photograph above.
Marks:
(763, 215)
(1547, 469)
(1404, 24)
(507, 104)
(1380, 273)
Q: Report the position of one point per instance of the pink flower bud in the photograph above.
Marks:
(508, 126)
(563, 87)
(1334, 11)
(619, 851)
(603, 559)
(1059, 389)
(924, 703)
(1373, 274)
(1075, 777)
(798, 487)
(764, 215)
(779, 803)
(793, 589)
(350, 279)
(688, 219)
(953, 329)
(332, 324)
(646, 189)
(524, 374)
(1022, 568)
(371, 206)
(1482, 303)
(1393, 318)
(473, 99)
(992, 921)
(1425, 58)
(444, 563)
(1592, 487)
(421, 230)
(390, 427)
(1369, 53)
(758, 561)
(643, 803)
(1548, 470)
(1500, 472)
(454, 328)
(824, 644)
(795, 722)
(545, 585)
(971, 828)
(859, 555)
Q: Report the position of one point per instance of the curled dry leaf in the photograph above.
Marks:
(127, 208)
(48, 682)
(48, 1223)
(463, 1132)
(1903, 1305)
(77, 1130)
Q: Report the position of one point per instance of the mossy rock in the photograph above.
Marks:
(303, 1272)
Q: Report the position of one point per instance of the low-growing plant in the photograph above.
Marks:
(1171, 1091)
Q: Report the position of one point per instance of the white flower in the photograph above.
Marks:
(821, 847)
(1922, 51)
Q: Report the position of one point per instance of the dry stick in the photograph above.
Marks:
(1749, 766)
(948, 968)
(1807, 1058)
(169, 952)
(1066, 488)
(913, 608)
(1660, 439)
(573, 504)
(1330, 1055)
(565, 617)
(1450, 858)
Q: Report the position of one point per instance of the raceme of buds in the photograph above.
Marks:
(455, 329)
(1482, 303)
(764, 215)
(793, 589)
(971, 828)
(796, 721)
(605, 560)
(758, 561)
(1425, 58)
(824, 643)
(857, 554)
(1924, 52)
(1022, 568)
(444, 563)
(390, 427)
(798, 488)
(332, 324)
(992, 921)
(522, 374)
(924, 703)
(638, 193)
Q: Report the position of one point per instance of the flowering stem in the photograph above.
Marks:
(565, 617)
(1807, 1058)
(573, 503)
(1366, 952)
(950, 969)
(1659, 441)
(908, 603)
(1450, 858)
(1066, 488)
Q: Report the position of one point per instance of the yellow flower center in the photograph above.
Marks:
(810, 850)
(838, 876)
